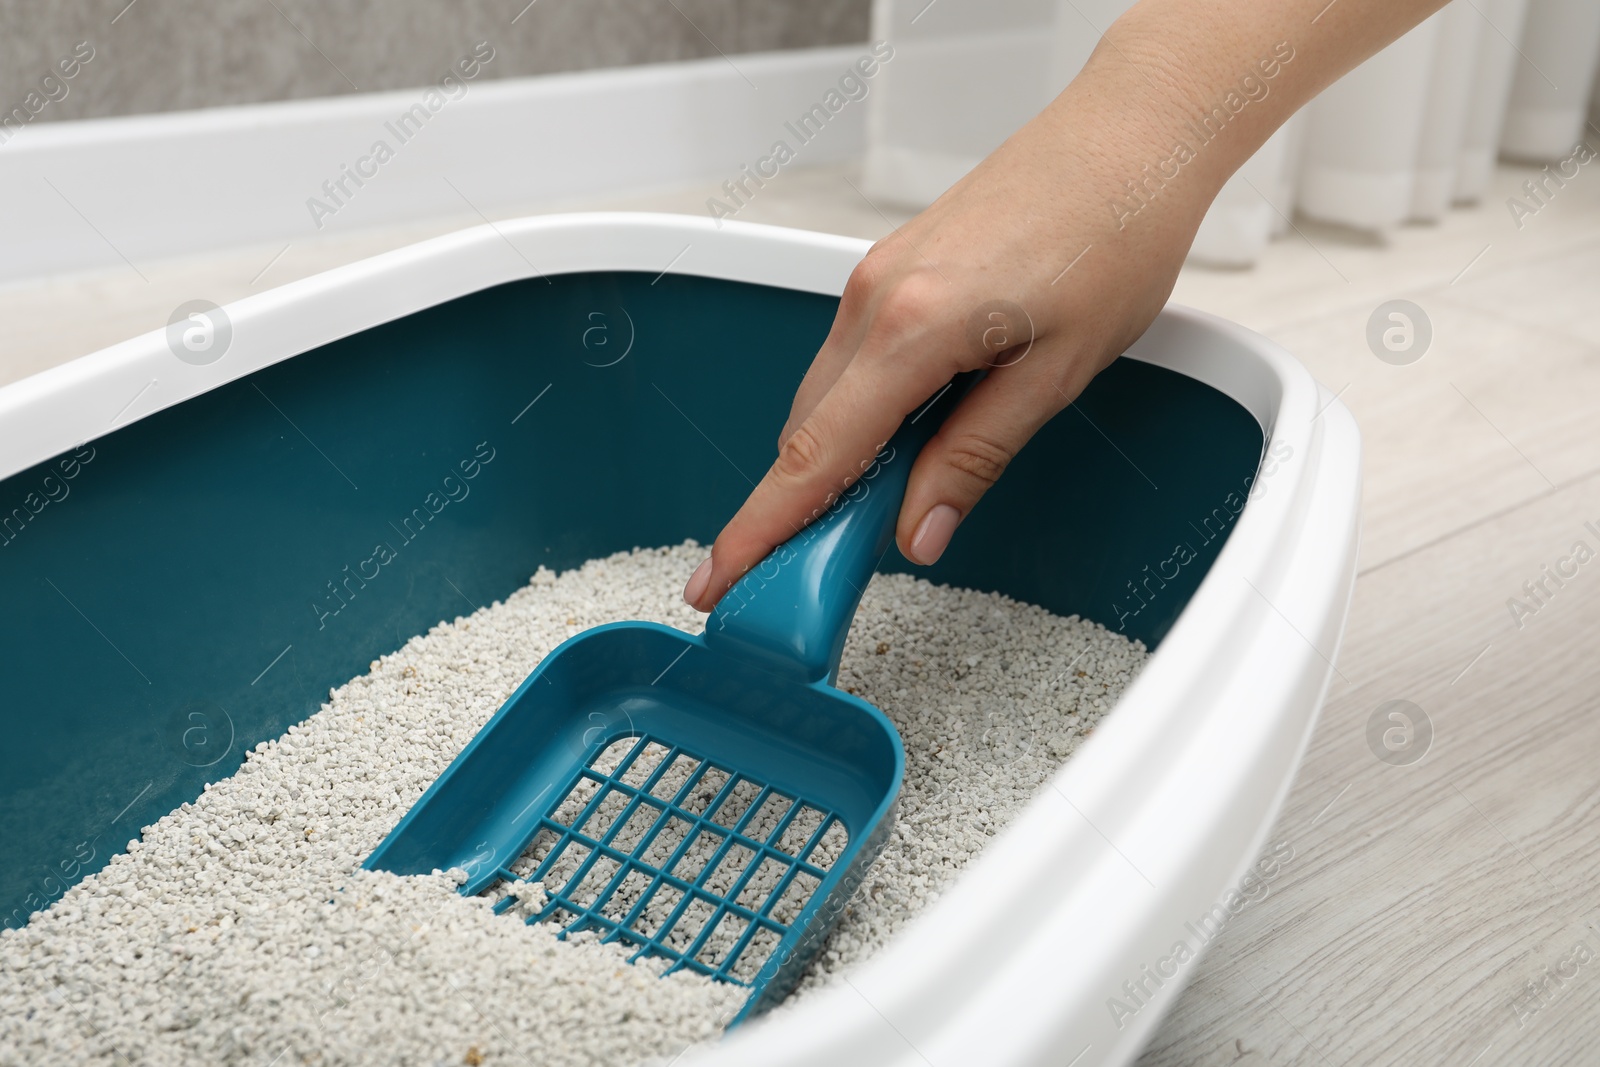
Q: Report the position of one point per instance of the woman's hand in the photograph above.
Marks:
(1018, 269)
(1042, 265)
(1014, 270)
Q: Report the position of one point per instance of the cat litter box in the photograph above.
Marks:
(208, 514)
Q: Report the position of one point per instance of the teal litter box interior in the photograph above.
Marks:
(211, 572)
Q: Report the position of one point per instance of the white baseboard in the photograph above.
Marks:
(117, 192)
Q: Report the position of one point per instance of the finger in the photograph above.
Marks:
(971, 450)
(822, 458)
(826, 367)
(844, 338)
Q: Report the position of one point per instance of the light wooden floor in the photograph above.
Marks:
(1421, 899)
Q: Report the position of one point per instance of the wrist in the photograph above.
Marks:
(1182, 95)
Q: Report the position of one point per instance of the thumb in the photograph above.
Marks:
(970, 453)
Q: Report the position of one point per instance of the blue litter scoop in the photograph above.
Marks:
(711, 800)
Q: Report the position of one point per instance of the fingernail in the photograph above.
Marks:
(933, 535)
(697, 583)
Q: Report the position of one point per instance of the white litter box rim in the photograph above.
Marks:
(1135, 838)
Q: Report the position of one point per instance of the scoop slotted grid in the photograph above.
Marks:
(658, 847)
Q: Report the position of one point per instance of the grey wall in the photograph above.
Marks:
(165, 55)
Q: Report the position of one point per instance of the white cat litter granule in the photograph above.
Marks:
(240, 930)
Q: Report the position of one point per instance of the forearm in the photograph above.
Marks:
(1180, 93)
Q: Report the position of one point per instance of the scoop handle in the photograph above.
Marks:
(791, 612)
